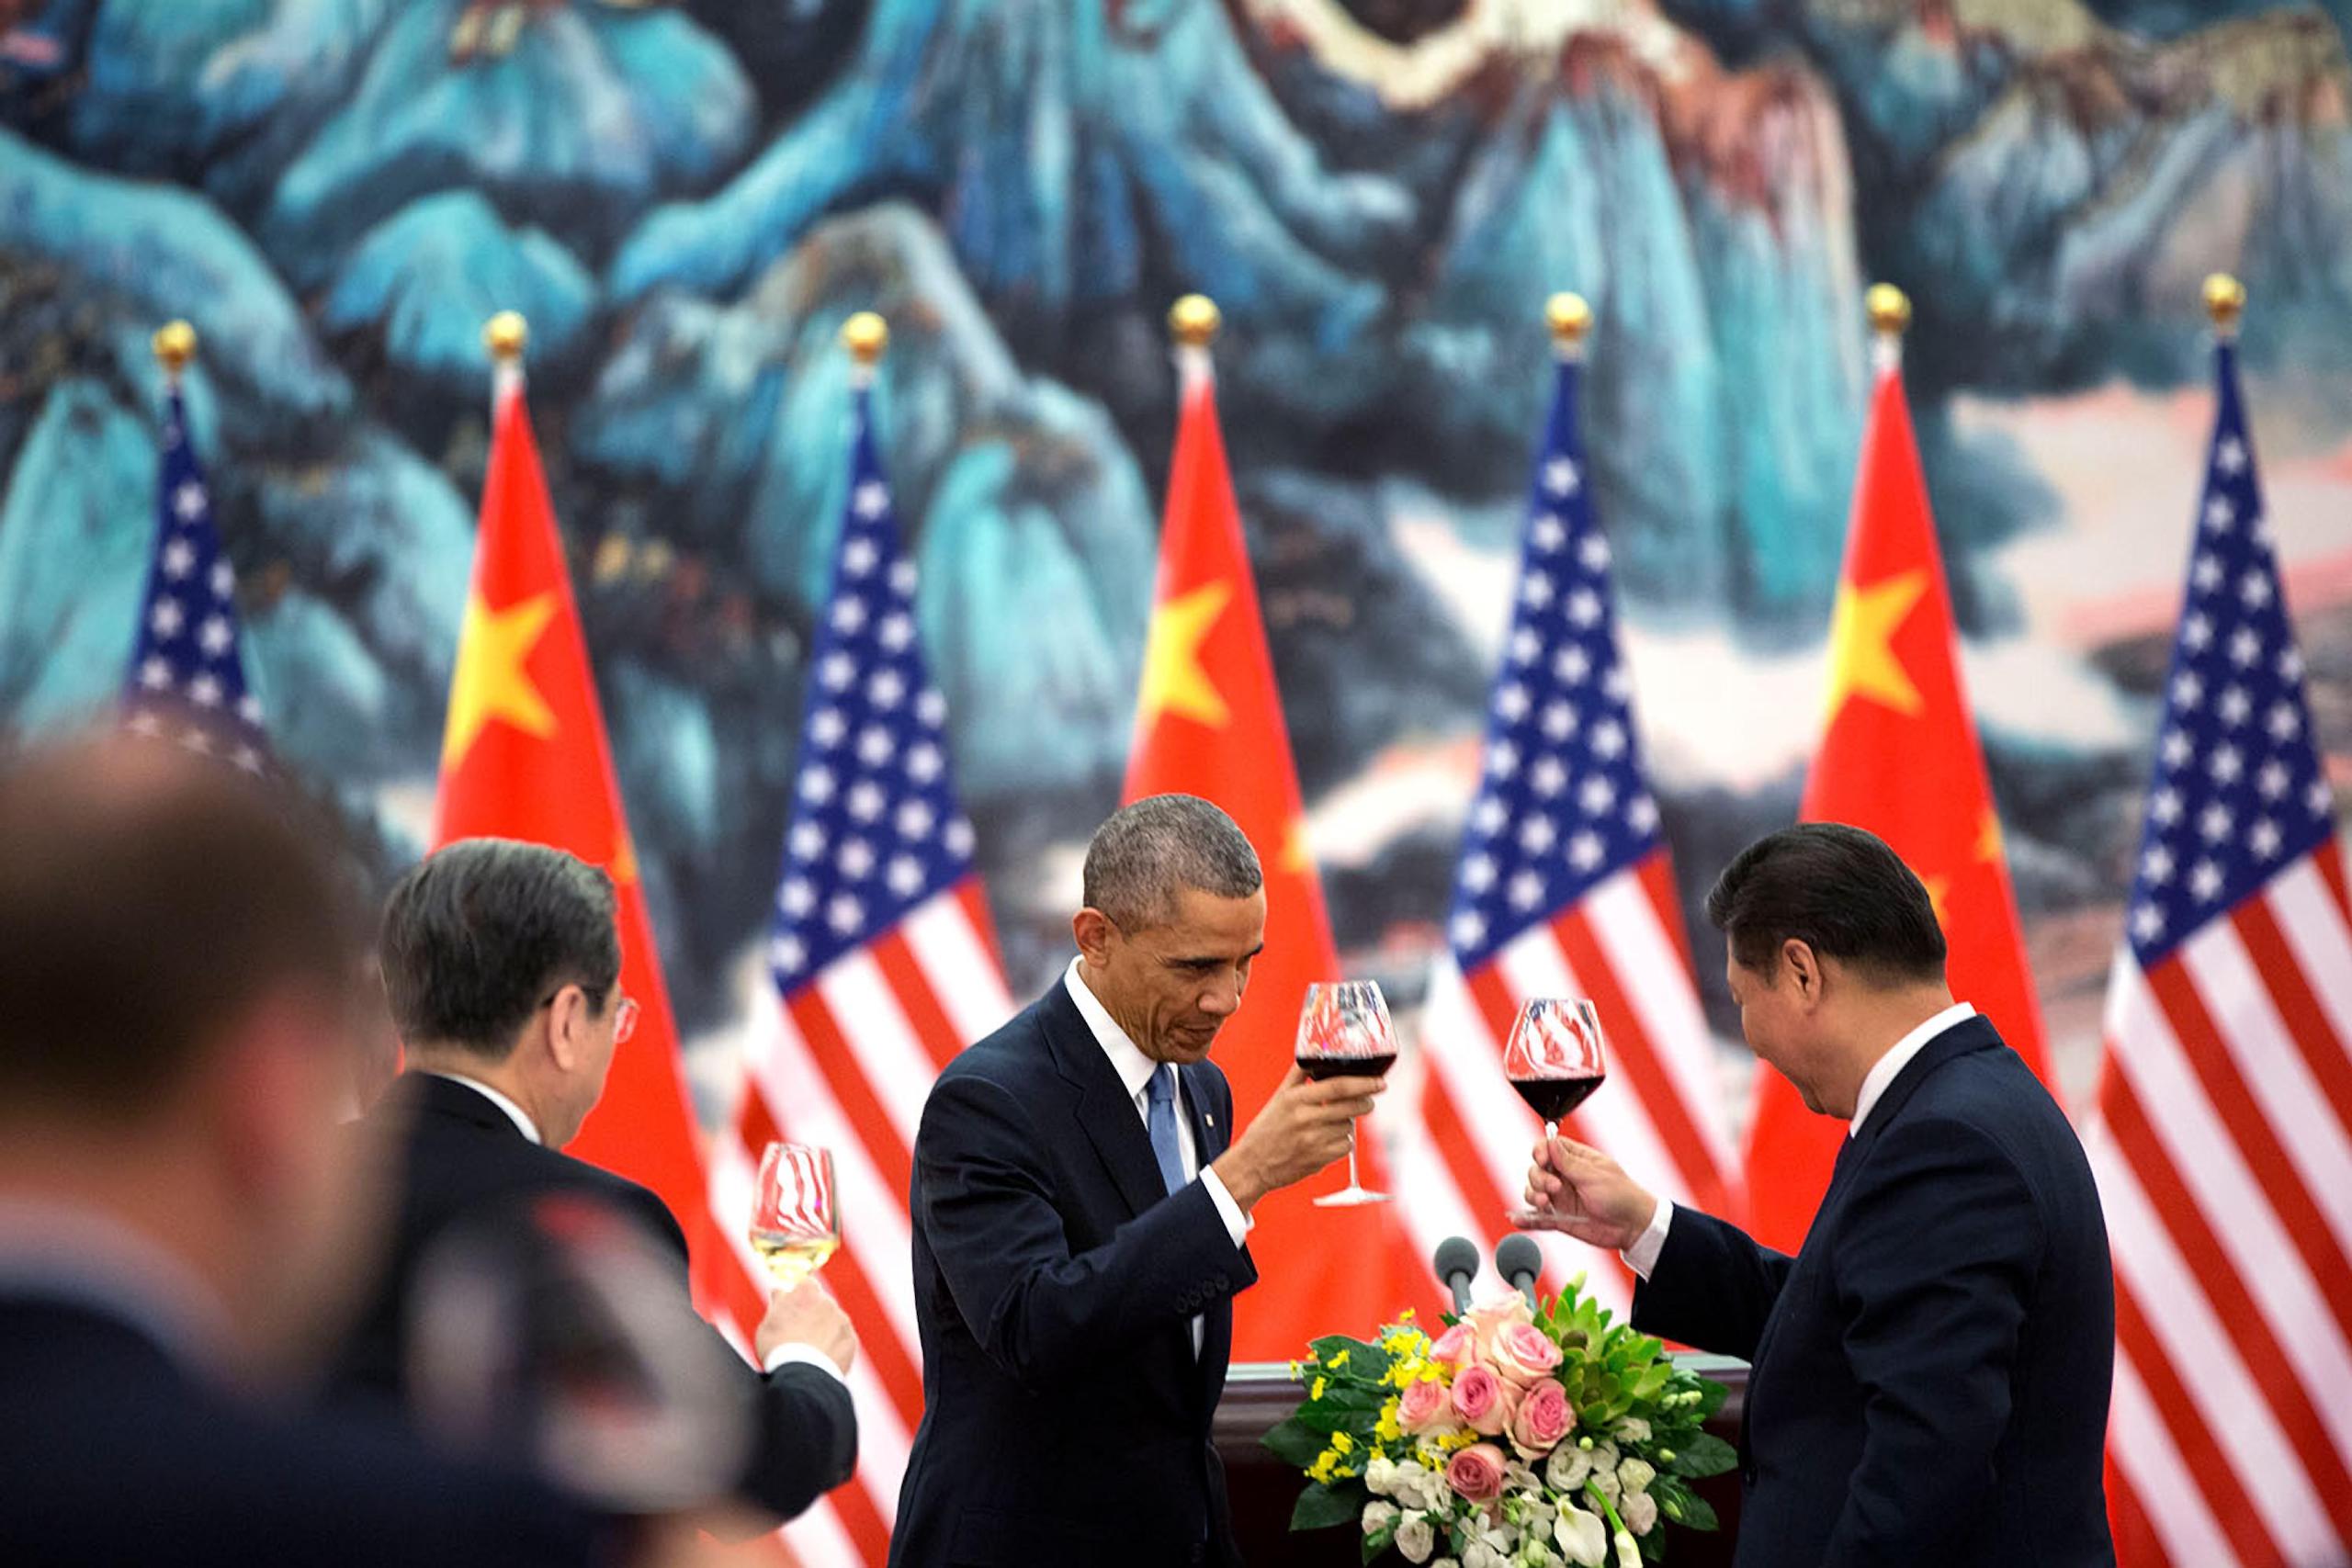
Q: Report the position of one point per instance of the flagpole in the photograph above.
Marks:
(2224, 303)
(174, 344)
(865, 335)
(1192, 321)
(1890, 314)
(1570, 319)
(506, 334)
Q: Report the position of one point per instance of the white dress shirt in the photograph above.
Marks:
(1641, 1257)
(61, 1251)
(789, 1354)
(1134, 1070)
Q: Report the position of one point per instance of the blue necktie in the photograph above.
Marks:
(1161, 1095)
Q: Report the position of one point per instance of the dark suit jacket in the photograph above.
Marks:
(1931, 1369)
(1066, 1419)
(111, 1453)
(463, 1158)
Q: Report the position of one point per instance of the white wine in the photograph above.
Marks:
(792, 1258)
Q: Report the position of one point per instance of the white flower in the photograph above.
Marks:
(1416, 1485)
(1605, 1482)
(1380, 1477)
(1568, 1467)
(1634, 1429)
(1629, 1550)
(1636, 1474)
(1583, 1537)
(1605, 1456)
(1445, 1563)
(1535, 1554)
(1378, 1516)
(1478, 1554)
(1640, 1512)
(1415, 1539)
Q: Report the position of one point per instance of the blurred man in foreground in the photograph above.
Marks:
(1931, 1369)
(502, 962)
(178, 1213)
(1080, 1202)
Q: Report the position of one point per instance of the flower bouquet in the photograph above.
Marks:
(1517, 1437)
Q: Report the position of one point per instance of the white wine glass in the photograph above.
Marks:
(796, 1225)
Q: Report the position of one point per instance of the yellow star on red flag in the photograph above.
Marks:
(492, 681)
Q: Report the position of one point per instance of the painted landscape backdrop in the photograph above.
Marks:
(687, 199)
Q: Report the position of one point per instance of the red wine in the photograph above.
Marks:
(1553, 1099)
(1366, 1066)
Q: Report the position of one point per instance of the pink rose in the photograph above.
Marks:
(1423, 1407)
(1543, 1420)
(1488, 1322)
(1522, 1353)
(1452, 1346)
(1476, 1473)
(1484, 1401)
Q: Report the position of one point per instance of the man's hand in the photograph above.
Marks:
(808, 1314)
(1575, 1189)
(1305, 1127)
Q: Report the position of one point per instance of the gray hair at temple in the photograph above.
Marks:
(1139, 859)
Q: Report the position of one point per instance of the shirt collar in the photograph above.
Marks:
(1134, 1069)
(65, 1252)
(1883, 1072)
(514, 1113)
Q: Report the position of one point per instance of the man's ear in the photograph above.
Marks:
(1094, 934)
(568, 1019)
(1804, 970)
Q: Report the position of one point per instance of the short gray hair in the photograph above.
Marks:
(1147, 850)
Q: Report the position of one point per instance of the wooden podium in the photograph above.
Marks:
(1258, 1394)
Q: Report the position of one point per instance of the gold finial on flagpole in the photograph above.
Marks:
(1889, 308)
(1193, 321)
(175, 346)
(1569, 317)
(865, 335)
(2225, 302)
(504, 335)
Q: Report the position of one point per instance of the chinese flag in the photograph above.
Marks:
(1899, 758)
(525, 757)
(1209, 723)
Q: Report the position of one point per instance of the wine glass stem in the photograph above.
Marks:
(1551, 1130)
(1353, 1183)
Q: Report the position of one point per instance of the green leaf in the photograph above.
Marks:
(1325, 1503)
(1292, 1442)
(1341, 1404)
(1360, 1352)
(1377, 1542)
(1712, 1395)
(1705, 1454)
(1698, 1514)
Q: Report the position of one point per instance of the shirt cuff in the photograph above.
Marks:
(1641, 1257)
(1237, 1224)
(794, 1354)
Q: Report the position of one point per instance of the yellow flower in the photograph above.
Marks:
(1452, 1442)
(1339, 1361)
(1316, 1390)
(1387, 1430)
(1407, 1316)
(1343, 1443)
(1321, 1468)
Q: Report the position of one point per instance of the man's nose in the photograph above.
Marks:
(1223, 997)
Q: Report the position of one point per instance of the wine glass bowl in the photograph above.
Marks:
(1555, 1057)
(796, 1225)
(1344, 1030)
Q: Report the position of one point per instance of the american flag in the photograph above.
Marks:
(2223, 1136)
(1564, 888)
(187, 681)
(881, 952)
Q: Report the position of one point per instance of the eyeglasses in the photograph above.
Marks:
(624, 1014)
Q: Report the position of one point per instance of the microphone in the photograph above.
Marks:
(1457, 1264)
(1518, 1260)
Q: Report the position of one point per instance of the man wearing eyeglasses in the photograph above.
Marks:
(502, 965)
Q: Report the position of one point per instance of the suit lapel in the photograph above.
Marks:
(1104, 1112)
(1210, 1134)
